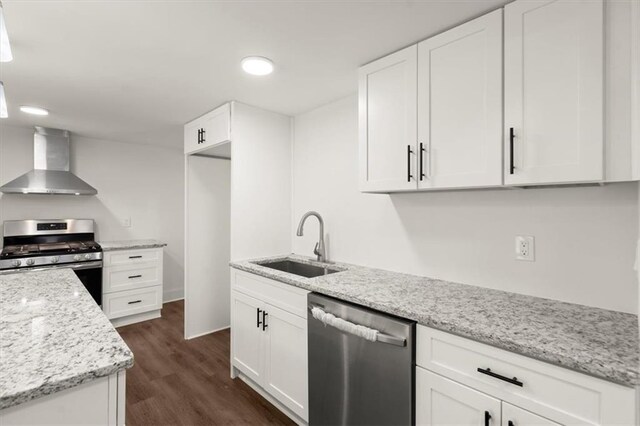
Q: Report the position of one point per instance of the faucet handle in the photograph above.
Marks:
(315, 250)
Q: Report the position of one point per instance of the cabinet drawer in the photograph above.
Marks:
(131, 257)
(283, 296)
(565, 396)
(124, 303)
(126, 277)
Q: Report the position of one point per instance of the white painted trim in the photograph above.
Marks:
(132, 319)
(206, 332)
(270, 398)
(635, 87)
(186, 241)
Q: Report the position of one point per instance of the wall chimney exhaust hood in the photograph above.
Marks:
(51, 173)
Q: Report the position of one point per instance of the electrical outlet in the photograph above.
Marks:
(525, 248)
(126, 222)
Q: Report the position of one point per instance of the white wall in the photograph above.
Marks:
(585, 237)
(143, 182)
(260, 182)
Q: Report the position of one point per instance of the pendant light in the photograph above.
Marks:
(5, 47)
(3, 103)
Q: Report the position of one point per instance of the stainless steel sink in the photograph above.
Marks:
(298, 268)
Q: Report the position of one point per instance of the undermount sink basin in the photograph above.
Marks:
(298, 268)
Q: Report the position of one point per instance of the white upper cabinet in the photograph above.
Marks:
(209, 130)
(553, 82)
(460, 106)
(387, 103)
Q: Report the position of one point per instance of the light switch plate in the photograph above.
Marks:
(525, 248)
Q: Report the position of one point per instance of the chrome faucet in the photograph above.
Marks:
(319, 249)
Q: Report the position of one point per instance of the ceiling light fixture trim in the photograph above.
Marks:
(257, 65)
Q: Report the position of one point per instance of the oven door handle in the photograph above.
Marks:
(85, 265)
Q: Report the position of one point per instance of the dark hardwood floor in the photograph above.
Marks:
(186, 382)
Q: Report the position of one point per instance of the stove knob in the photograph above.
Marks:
(30, 262)
(77, 257)
(88, 256)
(55, 259)
(16, 263)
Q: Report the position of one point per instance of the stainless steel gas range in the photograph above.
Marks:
(30, 245)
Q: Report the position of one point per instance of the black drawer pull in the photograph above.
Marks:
(134, 276)
(258, 323)
(135, 301)
(264, 320)
(513, 381)
(487, 418)
(135, 257)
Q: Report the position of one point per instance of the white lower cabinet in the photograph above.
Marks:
(132, 285)
(463, 382)
(98, 402)
(269, 340)
(442, 401)
(515, 416)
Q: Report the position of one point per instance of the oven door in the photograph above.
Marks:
(90, 273)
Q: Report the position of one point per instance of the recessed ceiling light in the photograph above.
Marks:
(34, 110)
(257, 65)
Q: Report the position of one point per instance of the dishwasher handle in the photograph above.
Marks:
(380, 337)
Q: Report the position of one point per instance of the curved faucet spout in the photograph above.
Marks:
(319, 250)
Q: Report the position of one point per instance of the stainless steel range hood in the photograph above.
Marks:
(51, 173)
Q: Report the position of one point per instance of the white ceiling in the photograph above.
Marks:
(135, 71)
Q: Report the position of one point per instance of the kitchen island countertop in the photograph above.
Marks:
(53, 336)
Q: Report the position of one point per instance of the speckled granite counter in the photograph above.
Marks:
(594, 341)
(130, 244)
(53, 336)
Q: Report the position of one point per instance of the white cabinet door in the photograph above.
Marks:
(440, 401)
(286, 360)
(387, 115)
(209, 130)
(553, 86)
(515, 416)
(460, 106)
(247, 335)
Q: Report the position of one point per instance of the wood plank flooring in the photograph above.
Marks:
(186, 382)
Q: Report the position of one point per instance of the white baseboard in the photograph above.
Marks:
(206, 332)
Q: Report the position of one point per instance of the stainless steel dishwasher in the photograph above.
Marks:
(353, 380)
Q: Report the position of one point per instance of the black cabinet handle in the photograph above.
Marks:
(422, 150)
(135, 257)
(134, 276)
(264, 320)
(510, 423)
(204, 135)
(258, 323)
(199, 136)
(135, 301)
(409, 152)
(512, 136)
(488, 372)
(487, 418)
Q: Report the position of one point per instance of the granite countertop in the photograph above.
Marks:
(594, 341)
(53, 336)
(130, 244)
